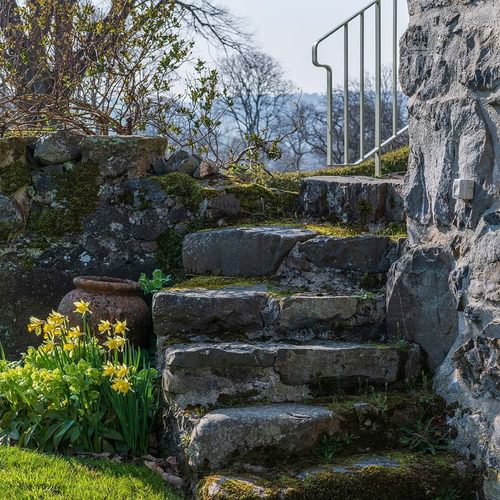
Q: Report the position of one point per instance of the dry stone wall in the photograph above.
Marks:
(444, 293)
(109, 206)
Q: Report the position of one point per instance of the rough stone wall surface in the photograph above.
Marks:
(108, 210)
(450, 69)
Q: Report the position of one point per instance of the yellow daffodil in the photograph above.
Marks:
(111, 344)
(120, 342)
(48, 347)
(69, 347)
(75, 333)
(50, 329)
(121, 327)
(121, 371)
(56, 318)
(82, 307)
(121, 385)
(104, 326)
(109, 369)
(35, 325)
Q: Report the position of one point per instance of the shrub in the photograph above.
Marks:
(80, 390)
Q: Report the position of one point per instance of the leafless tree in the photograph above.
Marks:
(214, 23)
(257, 93)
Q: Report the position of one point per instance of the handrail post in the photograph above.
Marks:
(395, 110)
(378, 85)
(346, 93)
(362, 85)
(329, 116)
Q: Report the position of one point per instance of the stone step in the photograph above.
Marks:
(388, 476)
(240, 251)
(329, 263)
(274, 434)
(256, 313)
(211, 374)
(226, 435)
(353, 199)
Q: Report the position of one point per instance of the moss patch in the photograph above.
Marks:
(261, 201)
(76, 197)
(169, 253)
(14, 168)
(410, 476)
(14, 176)
(183, 186)
(221, 282)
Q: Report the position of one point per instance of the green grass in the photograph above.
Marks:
(26, 474)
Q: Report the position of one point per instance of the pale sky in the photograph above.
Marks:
(286, 29)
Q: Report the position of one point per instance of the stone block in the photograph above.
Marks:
(353, 199)
(242, 251)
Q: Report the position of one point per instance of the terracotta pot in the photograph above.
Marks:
(110, 299)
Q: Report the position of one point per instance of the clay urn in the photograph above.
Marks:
(110, 299)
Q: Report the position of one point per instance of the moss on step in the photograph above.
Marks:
(76, 196)
(407, 476)
(393, 162)
(221, 282)
(393, 231)
(214, 282)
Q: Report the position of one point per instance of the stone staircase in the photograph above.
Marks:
(279, 377)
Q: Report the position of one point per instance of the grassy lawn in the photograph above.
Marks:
(31, 475)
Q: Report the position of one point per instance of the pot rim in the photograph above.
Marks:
(107, 285)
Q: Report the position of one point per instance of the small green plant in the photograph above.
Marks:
(364, 295)
(426, 436)
(379, 400)
(157, 282)
(329, 447)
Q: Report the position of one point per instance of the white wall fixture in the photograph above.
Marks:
(463, 189)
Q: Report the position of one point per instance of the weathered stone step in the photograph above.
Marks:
(389, 476)
(329, 263)
(240, 251)
(205, 374)
(255, 313)
(353, 199)
(226, 435)
(273, 434)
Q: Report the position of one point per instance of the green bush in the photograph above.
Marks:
(79, 391)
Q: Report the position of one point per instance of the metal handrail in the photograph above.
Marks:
(379, 145)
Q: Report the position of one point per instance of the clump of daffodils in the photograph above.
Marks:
(64, 341)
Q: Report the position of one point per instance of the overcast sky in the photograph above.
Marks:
(286, 29)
